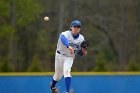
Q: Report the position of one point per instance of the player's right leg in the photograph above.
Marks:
(54, 89)
(58, 71)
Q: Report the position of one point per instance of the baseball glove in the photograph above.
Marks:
(84, 46)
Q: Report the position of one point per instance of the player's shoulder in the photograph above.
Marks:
(81, 36)
(67, 33)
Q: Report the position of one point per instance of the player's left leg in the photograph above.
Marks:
(67, 69)
(67, 83)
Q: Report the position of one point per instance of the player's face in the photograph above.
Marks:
(75, 30)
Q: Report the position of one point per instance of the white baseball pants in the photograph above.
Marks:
(63, 66)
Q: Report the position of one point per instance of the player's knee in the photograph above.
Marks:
(56, 77)
(67, 73)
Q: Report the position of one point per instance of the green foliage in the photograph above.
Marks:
(15, 39)
(100, 66)
(27, 12)
(6, 31)
(133, 65)
(35, 66)
(4, 8)
(108, 26)
(100, 63)
(5, 66)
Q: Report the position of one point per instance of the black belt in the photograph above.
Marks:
(58, 52)
(61, 53)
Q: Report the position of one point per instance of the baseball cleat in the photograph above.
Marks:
(54, 89)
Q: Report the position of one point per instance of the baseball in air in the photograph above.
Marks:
(46, 18)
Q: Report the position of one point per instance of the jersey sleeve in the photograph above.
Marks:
(63, 38)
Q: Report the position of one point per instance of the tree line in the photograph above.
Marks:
(28, 43)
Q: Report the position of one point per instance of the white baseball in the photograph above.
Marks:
(46, 18)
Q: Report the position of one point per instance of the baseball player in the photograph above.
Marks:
(69, 44)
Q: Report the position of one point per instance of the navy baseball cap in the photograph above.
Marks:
(76, 23)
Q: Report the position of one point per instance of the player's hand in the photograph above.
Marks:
(84, 51)
(71, 50)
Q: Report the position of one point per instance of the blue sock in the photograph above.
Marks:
(68, 83)
(53, 83)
